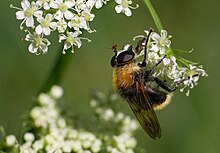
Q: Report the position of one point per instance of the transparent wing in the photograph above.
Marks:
(144, 112)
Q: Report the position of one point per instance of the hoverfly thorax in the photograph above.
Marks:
(122, 57)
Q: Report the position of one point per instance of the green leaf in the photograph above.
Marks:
(180, 51)
(185, 61)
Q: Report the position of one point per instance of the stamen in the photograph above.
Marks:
(138, 36)
(93, 5)
(21, 27)
(85, 39)
(64, 52)
(14, 7)
(134, 7)
(26, 30)
(72, 51)
(89, 29)
(72, 9)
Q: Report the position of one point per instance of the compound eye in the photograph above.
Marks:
(125, 57)
(113, 62)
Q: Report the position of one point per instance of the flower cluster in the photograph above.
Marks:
(120, 138)
(180, 71)
(50, 132)
(68, 17)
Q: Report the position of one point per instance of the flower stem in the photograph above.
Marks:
(154, 15)
(56, 73)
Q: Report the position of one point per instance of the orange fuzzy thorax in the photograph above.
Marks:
(123, 76)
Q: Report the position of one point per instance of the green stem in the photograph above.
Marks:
(154, 15)
(56, 73)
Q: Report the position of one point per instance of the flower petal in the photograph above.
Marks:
(98, 4)
(20, 15)
(38, 29)
(46, 41)
(67, 45)
(62, 37)
(166, 61)
(53, 25)
(78, 43)
(163, 33)
(162, 50)
(46, 31)
(68, 15)
(39, 19)
(44, 48)
(58, 15)
(38, 13)
(154, 48)
(118, 1)
(118, 8)
(46, 7)
(25, 4)
(49, 17)
(30, 22)
(69, 4)
(32, 48)
(53, 5)
(155, 36)
(128, 11)
(29, 37)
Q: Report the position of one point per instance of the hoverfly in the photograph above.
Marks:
(131, 80)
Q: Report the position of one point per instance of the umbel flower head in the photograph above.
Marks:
(38, 43)
(49, 131)
(179, 71)
(68, 17)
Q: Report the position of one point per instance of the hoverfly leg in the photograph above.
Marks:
(158, 63)
(144, 63)
(165, 86)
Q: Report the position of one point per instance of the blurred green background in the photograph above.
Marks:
(189, 124)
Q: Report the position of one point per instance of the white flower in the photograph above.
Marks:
(45, 99)
(96, 146)
(77, 22)
(119, 117)
(71, 40)
(56, 135)
(84, 16)
(153, 58)
(45, 25)
(11, 140)
(63, 7)
(108, 114)
(61, 26)
(44, 3)
(170, 67)
(56, 91)
(67, 147)
(38, 43)
(93, 103)
(124, 142)
(99, 3)
(160, 43)
(190, 77)
(80, 5)
(29, 137)
(87, 16)
(27, 12)
(39, 144)
(124, 7)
